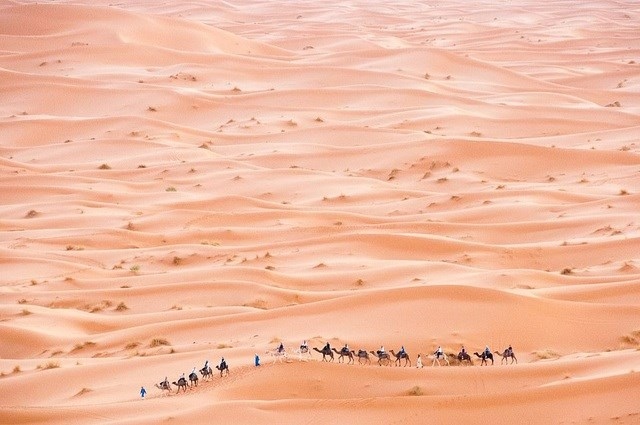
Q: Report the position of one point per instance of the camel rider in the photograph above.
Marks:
(381, 351)
(327, 347)
(345, 349)
(463, 351)
(223, 364)
(182, 377)
(402, 352)
(165, 383)
(509, 351)
(193, 371)
(487, 351)
(438, 352)
(304, 347)
(280, 348)
(206, 365)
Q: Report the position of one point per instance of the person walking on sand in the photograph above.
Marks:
(419, 362)
(143, 392)
(256, 360)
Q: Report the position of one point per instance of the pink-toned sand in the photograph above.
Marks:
(189, 180)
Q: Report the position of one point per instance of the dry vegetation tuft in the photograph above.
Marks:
(157, 342)
(545, 354)
(131, 345)
(122, 307)
(416, 391)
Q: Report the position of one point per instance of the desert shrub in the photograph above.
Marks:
(157, 342)
(416, 391)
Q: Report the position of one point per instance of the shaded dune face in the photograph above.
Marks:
(189, 181)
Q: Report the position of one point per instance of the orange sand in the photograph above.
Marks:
(182, 181)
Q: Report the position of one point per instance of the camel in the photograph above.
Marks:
(436, 359)
(464, 357)
(193, 379)
(182, 383)
(484, 356)
(344, 353)
(384, 359)
(304, 354)
(325, 352)
(400, 356)
(164, 386)
(362, 356)
(206, 373)
(506, 355)
(222, 368)
(277, 355)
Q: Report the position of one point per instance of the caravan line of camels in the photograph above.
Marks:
(364, 357)
(181, 383)
(401, 358)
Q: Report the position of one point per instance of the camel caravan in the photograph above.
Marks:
(384, 358)
(348, 356)
(182, 384)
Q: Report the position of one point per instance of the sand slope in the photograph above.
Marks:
(188, 181)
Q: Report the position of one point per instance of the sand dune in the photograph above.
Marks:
(187, 181)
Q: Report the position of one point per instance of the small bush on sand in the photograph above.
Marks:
(545, 354)
(157, 342)
(122, 307)
(131, 345)
(416, 391)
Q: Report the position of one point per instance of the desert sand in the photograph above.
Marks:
(190, 180)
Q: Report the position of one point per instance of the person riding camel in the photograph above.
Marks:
(402, 351)
(381, 351)
(327, 347)
(487, 351)
(223, 364)
(463, 351)
(439, 353)
(281, 348)
(304, 347)
(206, 365)
(345, 349)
